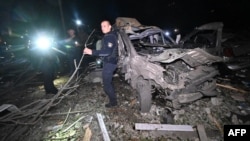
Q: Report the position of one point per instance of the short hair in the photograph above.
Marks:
(71, 29)
(106, 21)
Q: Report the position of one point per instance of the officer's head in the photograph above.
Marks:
(71, 32)
(106, 26)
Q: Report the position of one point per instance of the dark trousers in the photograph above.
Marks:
(48, 77)
(107, 76)
(71, 59)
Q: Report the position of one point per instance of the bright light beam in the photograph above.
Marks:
(59, 51)
(43, 42)
(78, 22)
(167, 33)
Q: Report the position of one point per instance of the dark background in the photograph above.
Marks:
(23, 15)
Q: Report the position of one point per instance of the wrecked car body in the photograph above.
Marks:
(149, 60)
(207, 37)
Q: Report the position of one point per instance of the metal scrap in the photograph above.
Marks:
(103, 127)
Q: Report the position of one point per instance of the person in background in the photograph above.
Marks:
(48, 68)
(74, 49)
(109, 52)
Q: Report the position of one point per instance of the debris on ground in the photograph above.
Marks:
(75, 117)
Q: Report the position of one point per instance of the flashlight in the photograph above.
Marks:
(43, 42)
(98, 61)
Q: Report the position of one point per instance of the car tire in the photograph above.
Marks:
(144, 94)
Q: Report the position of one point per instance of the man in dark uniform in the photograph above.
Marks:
(109, 52)
(74, 49)
(48, 68)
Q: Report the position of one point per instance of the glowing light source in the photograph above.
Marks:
(43, 42)
(78, 22)
(98, 61)
(167, 33)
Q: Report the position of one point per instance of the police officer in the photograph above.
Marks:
(74, 49)
(109, 52)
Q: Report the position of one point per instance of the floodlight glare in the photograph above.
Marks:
(78, 22)
(43, 42)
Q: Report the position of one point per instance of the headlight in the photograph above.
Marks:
(44, 42)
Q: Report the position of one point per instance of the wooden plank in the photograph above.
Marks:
(202, 133)
(163, 127)
(103, 127)
(87, 135)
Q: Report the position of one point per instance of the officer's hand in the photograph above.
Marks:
(87, 51)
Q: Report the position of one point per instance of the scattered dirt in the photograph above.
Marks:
(77, 113)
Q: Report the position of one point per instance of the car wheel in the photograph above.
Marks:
(144, 95)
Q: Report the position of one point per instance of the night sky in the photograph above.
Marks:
(182, 14)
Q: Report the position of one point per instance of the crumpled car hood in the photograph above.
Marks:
(194, 57)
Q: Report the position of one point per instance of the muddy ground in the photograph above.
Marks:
(75, 116)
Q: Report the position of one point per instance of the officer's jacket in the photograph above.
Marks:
(109, 50)
(71, 42)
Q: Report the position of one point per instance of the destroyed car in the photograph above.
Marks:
(232, 46)
(207, 36)
(149, 60)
